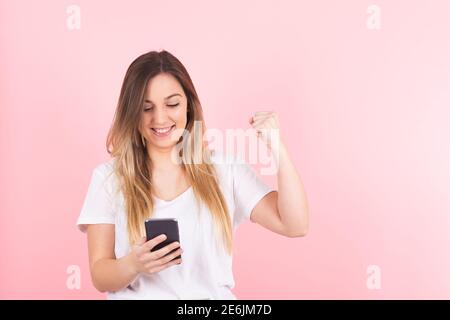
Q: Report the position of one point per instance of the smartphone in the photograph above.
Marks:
(167, 226)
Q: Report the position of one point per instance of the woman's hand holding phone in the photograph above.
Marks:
(145, 261)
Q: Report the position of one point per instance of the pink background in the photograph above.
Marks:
(364, 113)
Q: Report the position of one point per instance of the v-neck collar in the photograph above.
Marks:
(177, 198)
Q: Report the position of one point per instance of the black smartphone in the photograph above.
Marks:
(168, 226)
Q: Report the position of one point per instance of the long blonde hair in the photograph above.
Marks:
(132, 163)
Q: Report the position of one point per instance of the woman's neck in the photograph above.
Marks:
(161, 160)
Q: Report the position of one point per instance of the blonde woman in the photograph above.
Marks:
(157, 113)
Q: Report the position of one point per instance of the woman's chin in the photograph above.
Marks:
(167, 144)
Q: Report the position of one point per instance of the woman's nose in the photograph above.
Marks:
(159, 116)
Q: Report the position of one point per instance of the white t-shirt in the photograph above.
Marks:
(206, 269)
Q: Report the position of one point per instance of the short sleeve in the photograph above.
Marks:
(248, 189)
(97, 207)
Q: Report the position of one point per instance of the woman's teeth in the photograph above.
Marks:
(162, 131)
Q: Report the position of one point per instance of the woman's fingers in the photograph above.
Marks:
(165, 250)
(150, 244)
(272, 117)
(148, 257)
(155, 269)
(260, 117)
(141, 241)
(258, 122)
(149, 261)
(265, 123)
(164, 260)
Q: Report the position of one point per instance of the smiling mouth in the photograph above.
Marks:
(162, 132)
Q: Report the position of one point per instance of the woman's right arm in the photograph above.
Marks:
(111, 274)
(107, 272)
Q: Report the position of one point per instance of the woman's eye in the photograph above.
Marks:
(169, 105)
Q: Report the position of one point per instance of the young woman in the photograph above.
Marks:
(158, 111)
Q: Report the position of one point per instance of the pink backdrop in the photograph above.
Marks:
(364, 112)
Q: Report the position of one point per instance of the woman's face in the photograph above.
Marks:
(164, 110)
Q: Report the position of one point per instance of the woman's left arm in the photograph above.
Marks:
(284, 211)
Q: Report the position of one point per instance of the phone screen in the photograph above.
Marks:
(167, 226)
